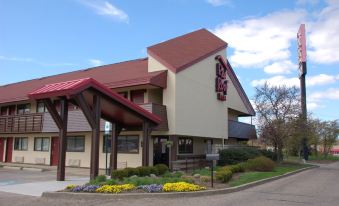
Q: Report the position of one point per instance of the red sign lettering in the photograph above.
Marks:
(221, 82)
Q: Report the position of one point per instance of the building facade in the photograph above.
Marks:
(186, 81)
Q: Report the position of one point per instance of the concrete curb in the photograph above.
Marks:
(98, 196)
(12, 167)
(33, 169)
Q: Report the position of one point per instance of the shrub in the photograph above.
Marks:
(224, 175)
(235, 168)
(162, 168)
(181, 187)
(261, 164)
(119, 174)
(236, 155)
(132, 171)
(154, 170)
(98, 180)
(205, 179)
(144, 171)
(269, 154)
(111, 182)
(174, 174)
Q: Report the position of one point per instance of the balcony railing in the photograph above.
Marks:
(21, 123)
(241, 130)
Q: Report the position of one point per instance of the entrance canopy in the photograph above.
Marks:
(114, 107)
(96, 101)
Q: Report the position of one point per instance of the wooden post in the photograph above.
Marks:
(173, 151)
(145, 146)
(116, 129)
(94, 171)
(63, 140)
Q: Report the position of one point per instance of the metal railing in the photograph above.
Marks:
(21, 123)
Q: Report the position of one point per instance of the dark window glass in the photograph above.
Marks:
(23, 108)
(4, 110)
(41, 144)
(185, 145)
(137, 96)
(20, 143)
(41, 108)
(11, 110)
(123, 94)
(126, 144)
(76, 144)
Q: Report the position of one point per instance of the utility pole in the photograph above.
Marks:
(301, 36)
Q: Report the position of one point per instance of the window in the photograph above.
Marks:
(185, 145)
(41, 144)
(4, 110)
(137, 96)
(20, 143)
(76, 144)
(23, 108)
(123, 94)
(40, 107)
(126, 144)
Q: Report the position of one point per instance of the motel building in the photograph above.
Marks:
(180, 102)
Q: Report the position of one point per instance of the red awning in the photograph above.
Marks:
(113, 106)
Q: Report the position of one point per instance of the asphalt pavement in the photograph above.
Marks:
(319, 186)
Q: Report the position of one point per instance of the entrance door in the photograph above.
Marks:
(54, 151)
(9, 149)
(2, 147)
(161, 151)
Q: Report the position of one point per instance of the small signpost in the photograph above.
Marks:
(212, 158)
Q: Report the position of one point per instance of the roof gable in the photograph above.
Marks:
(181, 52)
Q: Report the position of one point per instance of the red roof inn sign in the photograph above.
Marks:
(301, 48)
(221, 82)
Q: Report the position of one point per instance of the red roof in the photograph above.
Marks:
(117, 75)
(181, 52)
(120, 112)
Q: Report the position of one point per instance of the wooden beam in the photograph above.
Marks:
(80, 100)
(62, 140)
(116, 129)
(95, 137)
(54, 113)
(147, 129)
(173, 150)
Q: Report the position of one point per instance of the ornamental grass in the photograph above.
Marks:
(182, 187)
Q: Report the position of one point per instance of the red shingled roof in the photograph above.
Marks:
(181, 52)
(117, 75)
(108, 109)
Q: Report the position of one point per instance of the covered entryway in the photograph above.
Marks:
(161, 150)
(96, 101)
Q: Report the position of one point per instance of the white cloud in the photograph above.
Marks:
(219, 2)
(281, 67)
(95, 62)
(281, 80)
(105, 8)
(331, 93)
(277, 81)
(16, 59)
(323, 42)
(259, 41)
(30, 60)
(304, 2)
(312, 106)
(321, 79)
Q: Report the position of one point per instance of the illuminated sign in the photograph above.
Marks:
(301, 36)
(221, 82)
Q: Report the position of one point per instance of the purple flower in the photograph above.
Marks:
(151, 188)
(90, 188)
(78, 188)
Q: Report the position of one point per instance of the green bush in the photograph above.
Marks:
(119, 174)
(144, 171)
(224, 175)
(269, 154)
(172, 175)
(132, 171)
(261, 164)
(111, 182)
(162, 168)
(235, 168)
(98, 180)
(233, 156)
(154, 170)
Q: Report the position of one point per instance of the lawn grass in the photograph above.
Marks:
(323, 157)
(281, 169)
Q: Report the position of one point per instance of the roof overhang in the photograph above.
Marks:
(114, 107)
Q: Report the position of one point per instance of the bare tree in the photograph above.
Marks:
(328, 135)
(276, 107)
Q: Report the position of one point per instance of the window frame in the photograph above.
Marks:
(44, 107)
(26, 108)
(41, 149)
(186, 150)
(70, 138)
(119, 149)
(20, 146)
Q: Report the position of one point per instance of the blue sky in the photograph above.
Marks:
(40, 38)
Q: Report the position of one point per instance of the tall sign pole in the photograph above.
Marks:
(301, 36)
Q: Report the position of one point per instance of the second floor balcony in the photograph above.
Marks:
(25, 123)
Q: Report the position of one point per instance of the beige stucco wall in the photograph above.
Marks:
(233, 98)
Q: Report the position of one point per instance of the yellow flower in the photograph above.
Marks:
(69, 187)
(115, 188)
(182, 187)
